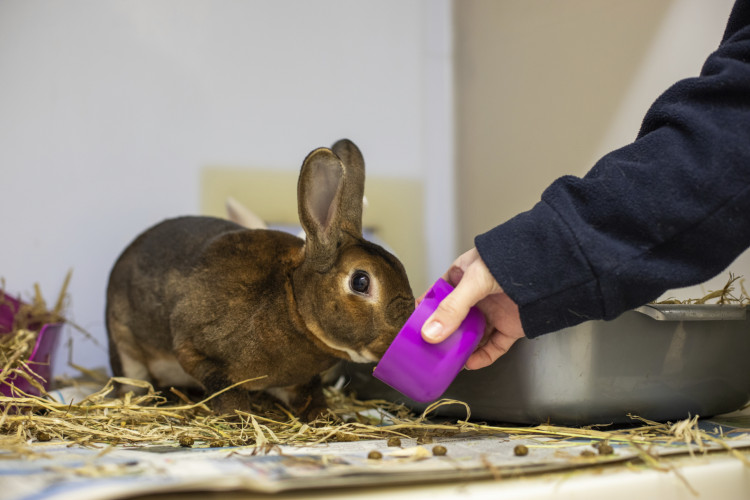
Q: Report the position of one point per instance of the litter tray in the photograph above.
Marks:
(42, 354)
(660, 362)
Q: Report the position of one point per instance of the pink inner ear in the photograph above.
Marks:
(322, 198)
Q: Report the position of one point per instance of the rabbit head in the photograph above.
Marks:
(351, 293)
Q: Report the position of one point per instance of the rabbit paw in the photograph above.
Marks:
(313, 412)
(305, 400)
(227, 402)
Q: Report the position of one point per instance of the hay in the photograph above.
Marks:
(32, 315)
(148, 419)
(722, 296)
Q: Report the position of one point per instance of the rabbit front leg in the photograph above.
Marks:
(212, 377)
(228, 401)
(306, 400)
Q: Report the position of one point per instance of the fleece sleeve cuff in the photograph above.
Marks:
(529, 253)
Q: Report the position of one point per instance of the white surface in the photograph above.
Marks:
(716, 476)
(110, 109)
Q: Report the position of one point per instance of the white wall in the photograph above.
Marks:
(109, 109)
(691, 30)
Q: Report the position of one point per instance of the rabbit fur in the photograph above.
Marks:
(204, 303)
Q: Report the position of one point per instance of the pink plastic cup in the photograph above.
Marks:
(40, 360)
(423, 371)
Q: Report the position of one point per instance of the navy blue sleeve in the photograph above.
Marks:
(669, 210)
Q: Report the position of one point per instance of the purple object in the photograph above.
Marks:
(423, 371)
(40, 360)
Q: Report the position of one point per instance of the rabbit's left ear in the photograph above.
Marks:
(329, 192)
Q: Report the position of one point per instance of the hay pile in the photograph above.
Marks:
(147, 419)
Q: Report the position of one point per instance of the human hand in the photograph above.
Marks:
(475, 285)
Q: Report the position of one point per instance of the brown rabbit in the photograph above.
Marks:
(201, 302)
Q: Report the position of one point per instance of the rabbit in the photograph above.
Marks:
(204, 303)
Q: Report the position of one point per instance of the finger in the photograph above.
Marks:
(454, 275)
(497, 345)
(452, 311)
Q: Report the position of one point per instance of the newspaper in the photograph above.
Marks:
(50, 471)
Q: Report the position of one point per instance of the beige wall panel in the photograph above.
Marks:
(537, 83)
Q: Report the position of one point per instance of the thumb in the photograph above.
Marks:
(452, 311)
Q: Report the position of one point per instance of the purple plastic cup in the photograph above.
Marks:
(41, 358)
(423, 371)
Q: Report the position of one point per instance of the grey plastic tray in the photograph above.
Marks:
(660, 362)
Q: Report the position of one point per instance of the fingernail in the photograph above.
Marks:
(432, 330)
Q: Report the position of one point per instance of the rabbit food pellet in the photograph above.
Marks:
(439, 450)
(375, 455)
(605, 449)
(394, 442)
(186, 441)
(520, 450)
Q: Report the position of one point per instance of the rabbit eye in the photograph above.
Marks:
(360, 282)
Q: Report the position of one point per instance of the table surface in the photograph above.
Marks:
(716, 475)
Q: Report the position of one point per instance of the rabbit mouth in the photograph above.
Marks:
(362, 357)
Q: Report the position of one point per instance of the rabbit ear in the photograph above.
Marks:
(354, 184)
(240, 214)
(330, 189)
